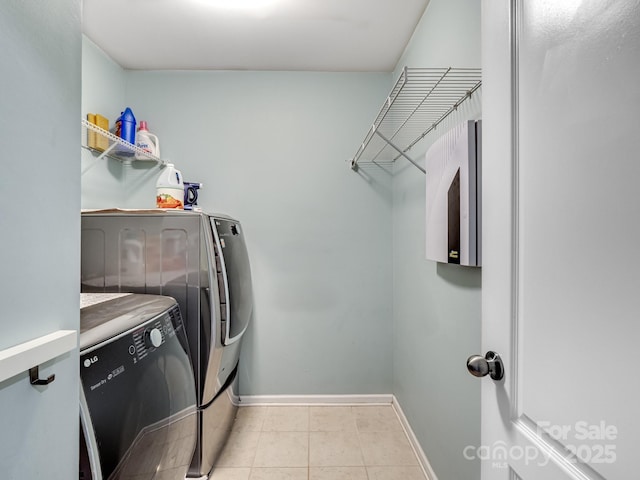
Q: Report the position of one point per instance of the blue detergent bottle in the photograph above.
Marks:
(125, 128)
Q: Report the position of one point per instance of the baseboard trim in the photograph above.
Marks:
(427, 469)
(381, 399)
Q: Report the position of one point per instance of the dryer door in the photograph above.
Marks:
(140, 395)
(234, 274)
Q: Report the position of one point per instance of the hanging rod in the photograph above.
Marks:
(419, 101)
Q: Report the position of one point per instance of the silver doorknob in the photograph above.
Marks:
(491, 364)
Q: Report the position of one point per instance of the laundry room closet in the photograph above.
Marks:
(345, 302)
(347, 308)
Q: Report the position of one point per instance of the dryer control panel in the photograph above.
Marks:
(147, 338)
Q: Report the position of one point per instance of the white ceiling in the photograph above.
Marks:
(316, 35)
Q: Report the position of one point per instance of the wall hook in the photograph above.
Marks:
(34, 374)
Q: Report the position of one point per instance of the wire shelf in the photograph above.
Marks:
(419, 101)
(136, 153)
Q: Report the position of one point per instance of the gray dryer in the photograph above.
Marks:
(138, 397)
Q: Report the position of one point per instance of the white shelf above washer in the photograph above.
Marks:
(114, 142)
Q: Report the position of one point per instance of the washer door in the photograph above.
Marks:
(140, 395)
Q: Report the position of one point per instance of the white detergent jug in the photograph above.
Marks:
(170, 188)
(147, 141)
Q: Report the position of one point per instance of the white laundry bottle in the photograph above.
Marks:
(170, 188)
(147, 141)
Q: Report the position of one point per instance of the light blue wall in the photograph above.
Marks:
(103, 92)
(436, 306)
(40, 223)
(270, 149)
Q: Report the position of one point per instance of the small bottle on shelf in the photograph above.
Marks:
(147, 141)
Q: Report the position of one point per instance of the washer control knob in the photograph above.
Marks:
(153, 338)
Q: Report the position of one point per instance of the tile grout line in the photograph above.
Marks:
(309, 443)
(260, 432)
(355, 422)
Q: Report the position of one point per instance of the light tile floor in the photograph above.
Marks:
(317, 443)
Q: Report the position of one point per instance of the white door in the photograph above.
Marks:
(561, 239)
